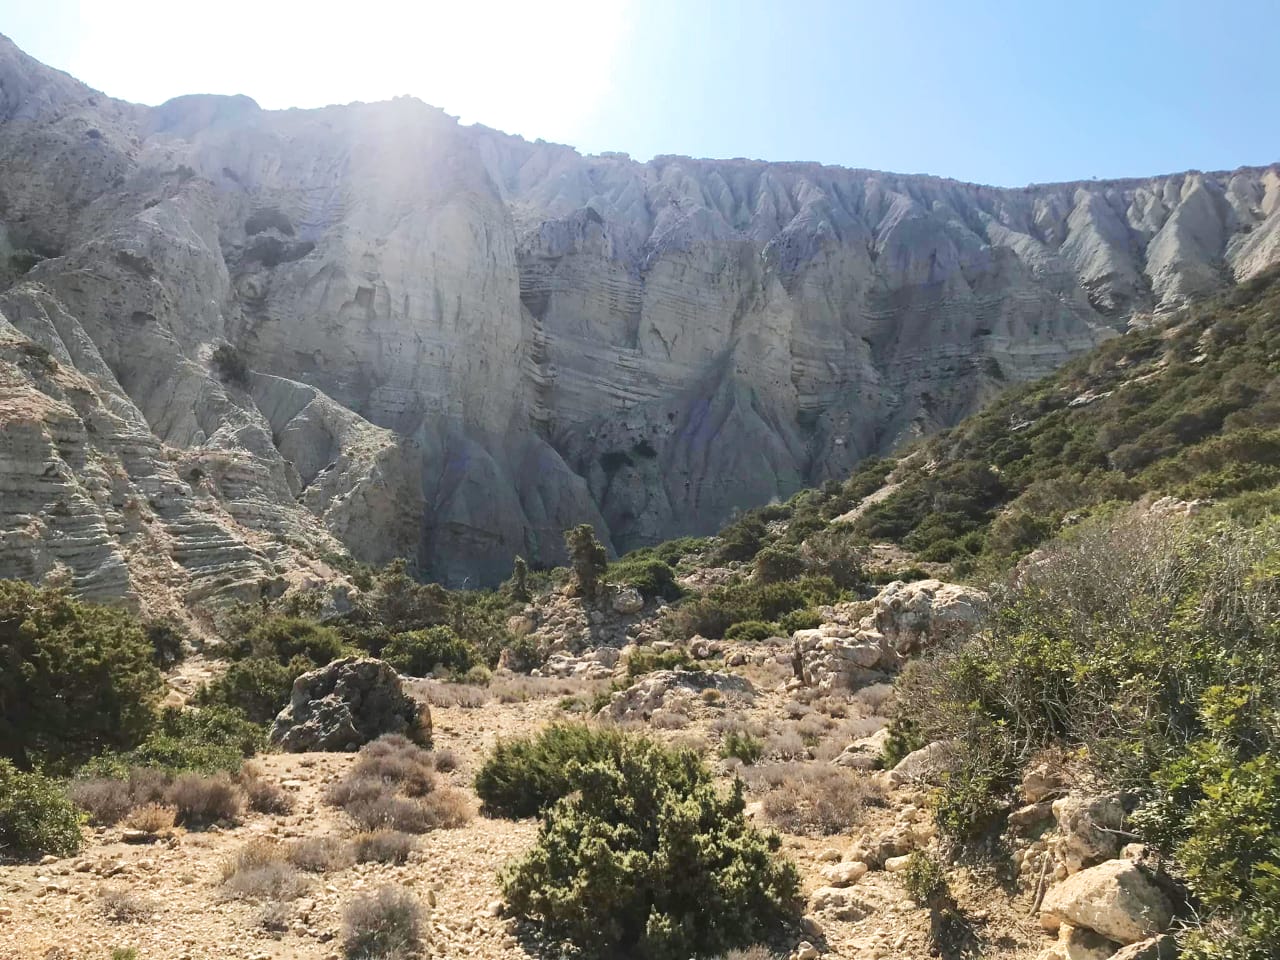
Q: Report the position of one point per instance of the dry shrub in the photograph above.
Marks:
(833, 707)
(818, 799)
(383, 846)
(390, 812)
(757, 952)
(664, 719)
(121, 904)
(516, 688)
(448, 808)
(787, 745)
(267, 796)
(259, 871)
(387, 924)
(440, 693)
(445, 760)
(152, 818)
(794, 709)
(875, 698)
(106, 801)
(202, 800)
(395, 759)
(320, 854)
(147, 785)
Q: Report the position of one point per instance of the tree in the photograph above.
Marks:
(75, 678)
(588, 557)
(520, 580)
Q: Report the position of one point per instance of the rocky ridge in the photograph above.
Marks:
(236, 341)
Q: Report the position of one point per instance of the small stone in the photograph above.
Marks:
(806, 951)
(810, 926)
(894, 864)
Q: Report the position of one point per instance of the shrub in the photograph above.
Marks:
(447, 809)
(266, 796)
(645, 660)
(525, 775)
(588, 558)
(258, 687)
(204, 800)
(419, 653)
(395, 759)
(806, 618)
(123, 905)
(752, 631)
(387, 924)
(36, 817)
(206, 740)
(154, 818)
(320, 854)
(259, 870)
(168, 643)
(230, 364)
(104, 799)
(654, 578)
(742, 539)
(383, 846)
(282, 638)
(818, 799)
(923, 878)
(741, 745)
(776, 563)
(76, 679)
(627, 865)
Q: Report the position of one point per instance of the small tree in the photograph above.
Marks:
(75, 678)
(520, 580)
(588, 557)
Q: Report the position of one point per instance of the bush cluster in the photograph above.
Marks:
(629, 862)
(36, 817)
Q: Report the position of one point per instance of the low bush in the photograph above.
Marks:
(36, 816)
(752, 631)
(818, 799)
(395, 759)
(645, 660)
(628, 863)
(447, 809)
(260, 870)
(205, 800)
(420, 653)
(320, 854)
(105, 800)
(388, 924)
(258, 687)
(265, 796)
(383, 846)
(525, 775)
(154, 818)
(741, 745)
(654, 578)
(121, 904)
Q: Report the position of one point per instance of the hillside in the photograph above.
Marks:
(267, 339)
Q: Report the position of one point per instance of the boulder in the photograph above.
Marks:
(627, 600)
(842, 903)
(346, 704)
(1041, 782)
(1078, 943)
(844, 874)
(1163, 947)
(1088, 828)
(1116, 899)
(923, 765)
(913, 616)
(864, 754)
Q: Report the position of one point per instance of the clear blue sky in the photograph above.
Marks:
(995, 92)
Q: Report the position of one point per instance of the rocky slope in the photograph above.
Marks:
(458, 343)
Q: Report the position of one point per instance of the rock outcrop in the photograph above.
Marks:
(346, 704)
(1115, 899)
(371, 325)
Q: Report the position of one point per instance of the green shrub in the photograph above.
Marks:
(36, 817)
(257, 687)
(285, 638)
(806, 618)
(206, 740)
(923, 878)
(419, 653)
(631, 864)
(752, 631)
(645, 660)
(525, 775)
(742, 539)
(741, 745)
(776, 563)
(230, 364)
(654, 578)
(75, 678)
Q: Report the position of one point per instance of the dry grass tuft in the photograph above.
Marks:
(395, 759)
(445, 760)
(448, 808)
(320, 854)
(106, 801)
(383, 846)
(259, 871)
(815, 798)
(387, 924)
(157, 818)
(122, 905)
(202, 800)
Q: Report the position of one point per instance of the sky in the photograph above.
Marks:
(1006, 93)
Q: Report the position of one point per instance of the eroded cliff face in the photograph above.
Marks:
(459, 343)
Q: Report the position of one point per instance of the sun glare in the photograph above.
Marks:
(539, 69)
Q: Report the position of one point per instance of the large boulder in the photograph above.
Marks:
(1090, 830)
(911, 616)
(346, 704)
(1116, 899)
